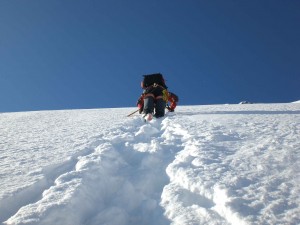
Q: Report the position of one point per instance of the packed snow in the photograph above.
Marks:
(217, 164)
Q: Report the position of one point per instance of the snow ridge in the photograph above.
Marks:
(192, 197)
(10, 205)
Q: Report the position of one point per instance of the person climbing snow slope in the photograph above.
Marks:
(155, 97)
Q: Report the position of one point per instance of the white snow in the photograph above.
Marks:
(217, 164)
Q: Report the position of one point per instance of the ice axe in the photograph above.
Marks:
(132, 113)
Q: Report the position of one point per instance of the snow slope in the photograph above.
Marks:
(218, 164)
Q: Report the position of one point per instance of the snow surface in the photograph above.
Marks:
(218, 164)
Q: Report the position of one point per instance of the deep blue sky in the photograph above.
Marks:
(70, 54)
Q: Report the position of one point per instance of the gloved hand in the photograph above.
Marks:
(170, 109)
(141, 108)
(140, 104)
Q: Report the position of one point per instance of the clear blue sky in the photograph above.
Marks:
(70, 54)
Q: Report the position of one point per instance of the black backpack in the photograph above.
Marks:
(156, 78)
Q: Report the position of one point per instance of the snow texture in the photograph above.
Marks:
(220, 164)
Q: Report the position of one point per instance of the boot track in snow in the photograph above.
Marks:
(219, 165)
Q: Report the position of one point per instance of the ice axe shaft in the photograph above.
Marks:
(132, 113)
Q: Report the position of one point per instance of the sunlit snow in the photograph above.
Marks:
(217, 164)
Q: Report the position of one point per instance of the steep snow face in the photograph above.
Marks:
(240, 165)
(37, 147)
(222, 164)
